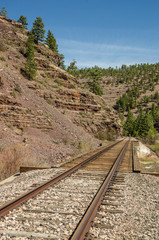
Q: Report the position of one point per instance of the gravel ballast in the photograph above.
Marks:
(136, 215)
(139, 217)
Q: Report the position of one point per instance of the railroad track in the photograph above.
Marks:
(64, 207)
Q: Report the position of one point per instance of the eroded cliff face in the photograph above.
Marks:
(50, 118)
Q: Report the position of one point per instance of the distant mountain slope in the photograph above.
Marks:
(130, 88)
(142, 79)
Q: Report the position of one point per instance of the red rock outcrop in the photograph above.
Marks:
(13, 114)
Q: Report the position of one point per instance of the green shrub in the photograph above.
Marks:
(2, 59)
(79, 145)
(28, 111)
(14, 94)
(155, 147)
(83, 114)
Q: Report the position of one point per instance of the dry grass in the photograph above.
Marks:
(84, 147)
(11, 158)
(3, 47)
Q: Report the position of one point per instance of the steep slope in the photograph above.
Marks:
(50, 118)
(142, 79)
(131, 90)
(134, 88)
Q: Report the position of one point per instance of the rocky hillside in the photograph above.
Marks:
(50, 118)
(132, 89)
(142, 80)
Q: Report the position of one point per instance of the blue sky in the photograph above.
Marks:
(97, 32)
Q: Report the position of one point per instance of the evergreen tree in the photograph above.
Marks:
(30, 66)
(72, 68)
(62, 62)
(128, 127)
(23, 21)
(38, 30)
(144, 124)
(51, 42)
(95, 73)
(95, 87)
(3, 12)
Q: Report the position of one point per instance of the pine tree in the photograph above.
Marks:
(128, 127)
(95, 87)
(62, 62)
(30, 66)
(38, 30)
(23, 21)
(3, 12)
(95, 73)
(72, 68)
(144, 124)
(51, 42)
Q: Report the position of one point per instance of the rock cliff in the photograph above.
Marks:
(50, 118)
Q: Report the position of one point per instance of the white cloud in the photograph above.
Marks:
(92, 46)
(104, 55)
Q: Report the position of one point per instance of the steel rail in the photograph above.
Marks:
(18, 201)
(85, 222)
(132, 146)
